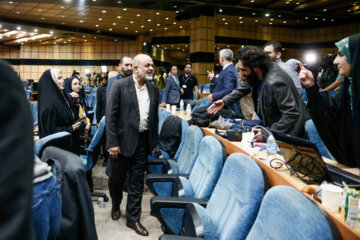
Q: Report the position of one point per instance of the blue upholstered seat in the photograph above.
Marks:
(88, 158)
(201, 182)
(206, 88)
(235, 202)
(202, 103)
(183, 165)
(61, 140)
(286, 213)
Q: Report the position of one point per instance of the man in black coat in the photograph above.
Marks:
(280, 105)
(131, 134)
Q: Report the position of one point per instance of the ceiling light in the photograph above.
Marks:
(42, 18)
(103, 11)
(126, 28)
(240, 17)
(18, 28)
(220, 10)
(226, 23)
(62, 16)
(287, 2)
(114, 24)
(138, 15)
(256, 20)
(39, 10)
(100, 19)
(310, 57)
(81, 21)
(110, 29)
(241, 21)
(157, 13)
(178, 48)
(149, 20)
(158, 24)
(175, 6)
(150, 30)
(157, 45)
(176, 11)
(253, 14)
(181, 27)
(172, 45)
(224, 19)
(306, 18)
(119, 2)
(167, 18)
(174, 23)
(17, 12)
(324, 9)
(142, 26)
(284, 21)
(165, 28)
(324, 19)
(11, 2)
(94, 0)
(51, 32)
(115, 40)
(131, 22)
(297, 3)
(279, 15)
(54, 42)
(69, 40)
(85, 40)
(125, 9)
(252, 1)
(32, 34)
(271, 19)
(35, 30)
(94, 37)
(97, 25)
(83, 35)
(270, 23)
(267, 14)
(315, 18)
(136, 31)
(165, 48)
(332, 20)
(119, 17)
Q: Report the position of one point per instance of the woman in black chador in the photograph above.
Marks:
(56, 111)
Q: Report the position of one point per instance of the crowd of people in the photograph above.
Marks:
(284, 95)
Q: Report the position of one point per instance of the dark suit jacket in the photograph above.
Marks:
(172, 91)
(110, 83)
(224, 84)
(123, 117)
(280, 105)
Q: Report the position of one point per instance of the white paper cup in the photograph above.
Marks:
(168, 107)
(173, 109)
(331, 197)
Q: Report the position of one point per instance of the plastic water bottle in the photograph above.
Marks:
(182, 105)
(271, 147)
(188, 110)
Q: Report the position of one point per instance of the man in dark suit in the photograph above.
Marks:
(228, 78)
(280, 105)
(125, 70)
(131, 134)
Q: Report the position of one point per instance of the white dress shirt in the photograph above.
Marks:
(144, 105)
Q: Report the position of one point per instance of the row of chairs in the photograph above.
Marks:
(196, 197)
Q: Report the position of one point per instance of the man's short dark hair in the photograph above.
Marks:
(188, 64)
(174, 66)
(277, 46)
(122, 59)
(252, 56)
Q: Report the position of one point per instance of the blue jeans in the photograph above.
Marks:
(46, 209)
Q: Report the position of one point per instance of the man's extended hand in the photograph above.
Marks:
(305, 76)
(114, 152)
(210, 74)
(216, 106)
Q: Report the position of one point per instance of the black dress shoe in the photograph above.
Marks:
(115, 214)
(138, 228)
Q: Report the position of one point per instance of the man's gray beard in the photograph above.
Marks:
(145, 77)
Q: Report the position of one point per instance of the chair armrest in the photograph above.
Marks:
(157, 203)
(173, 178)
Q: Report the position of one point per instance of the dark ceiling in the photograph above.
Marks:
(124, 19)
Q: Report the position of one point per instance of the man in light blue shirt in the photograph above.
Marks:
(274, 50)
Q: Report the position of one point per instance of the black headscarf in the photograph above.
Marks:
(82, 96)
(16, 158)
(338, 126)
(56, 111)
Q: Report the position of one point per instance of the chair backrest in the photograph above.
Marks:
(61, 140)
(98, 134)
(207, 167)
(201, 87)
(235, 202)
(184, 127)
(314, 137)
(206, 88)
(286, 213)
(164, 115)
(190, 149)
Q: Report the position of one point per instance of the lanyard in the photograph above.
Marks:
(185, 80)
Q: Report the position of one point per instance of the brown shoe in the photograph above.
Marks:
(115, 214)
(138, 228)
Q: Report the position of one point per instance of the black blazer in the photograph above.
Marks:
(123, 117)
